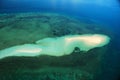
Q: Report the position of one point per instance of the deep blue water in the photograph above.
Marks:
(107, 11)
(102, 11)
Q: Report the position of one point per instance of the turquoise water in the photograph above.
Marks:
(102, 12)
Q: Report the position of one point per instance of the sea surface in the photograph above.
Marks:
(103, 12)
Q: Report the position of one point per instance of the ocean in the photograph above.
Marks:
(26, 21)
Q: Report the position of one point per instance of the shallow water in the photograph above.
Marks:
(27, 21)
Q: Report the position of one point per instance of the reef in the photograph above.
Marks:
(22, 28)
